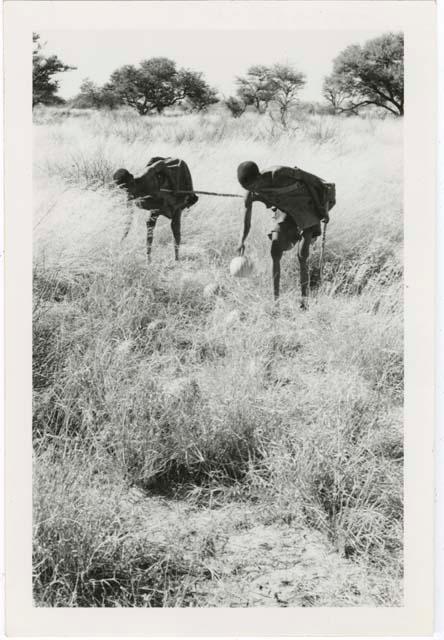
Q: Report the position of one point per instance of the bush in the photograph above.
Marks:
(236, 107)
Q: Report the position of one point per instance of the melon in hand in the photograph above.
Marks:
(241, 267)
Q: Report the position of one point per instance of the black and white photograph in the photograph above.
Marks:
(218, 315)
(217, 327)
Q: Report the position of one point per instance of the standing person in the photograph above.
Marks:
(171, 174)
(299, 202)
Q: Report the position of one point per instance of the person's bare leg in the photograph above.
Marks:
(128, 221)
(150, 224)
(303, 253)
(276, 255)
(175, 228)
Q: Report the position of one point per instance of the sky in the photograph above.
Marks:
(220, 55)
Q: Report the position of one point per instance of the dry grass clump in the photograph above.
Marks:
(89, 551)
(113, 380)
(141, 380)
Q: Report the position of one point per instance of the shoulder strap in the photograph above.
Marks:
(155, 159)
(309, 180)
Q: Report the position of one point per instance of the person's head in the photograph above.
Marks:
(247, 174)
(123, 178)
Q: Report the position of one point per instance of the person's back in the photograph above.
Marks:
(278, 176)
(283, 187)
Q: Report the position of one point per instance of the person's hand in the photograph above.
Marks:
(326, 218)
(241, 250)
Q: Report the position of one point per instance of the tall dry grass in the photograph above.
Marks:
(142, 381)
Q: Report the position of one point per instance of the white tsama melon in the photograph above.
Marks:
(212, 289)
(241, 267)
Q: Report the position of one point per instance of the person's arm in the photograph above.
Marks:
(247, 222)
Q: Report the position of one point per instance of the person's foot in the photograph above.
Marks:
(304, 304)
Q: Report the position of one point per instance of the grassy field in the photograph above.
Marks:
(194, 450)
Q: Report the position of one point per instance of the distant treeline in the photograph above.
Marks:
(371, 75)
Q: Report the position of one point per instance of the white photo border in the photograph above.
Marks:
(417, 20)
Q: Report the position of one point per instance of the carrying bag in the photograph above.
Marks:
(323, 194)
(180, 177)
(178, 171)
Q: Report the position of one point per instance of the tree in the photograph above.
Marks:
(335, 91)
(92, 96)
(199, 94)
(88, 97)
(286, 84)
(156, 84)
(372, 74)
(278, 84)
(108, 98)
(44, 68)
(256, 87)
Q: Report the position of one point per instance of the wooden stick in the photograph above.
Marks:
(321, 257)
(205, 193)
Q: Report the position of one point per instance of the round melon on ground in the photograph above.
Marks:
(241, 267)
(212, 289)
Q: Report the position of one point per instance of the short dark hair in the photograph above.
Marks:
(247, 172)
(123, 178)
